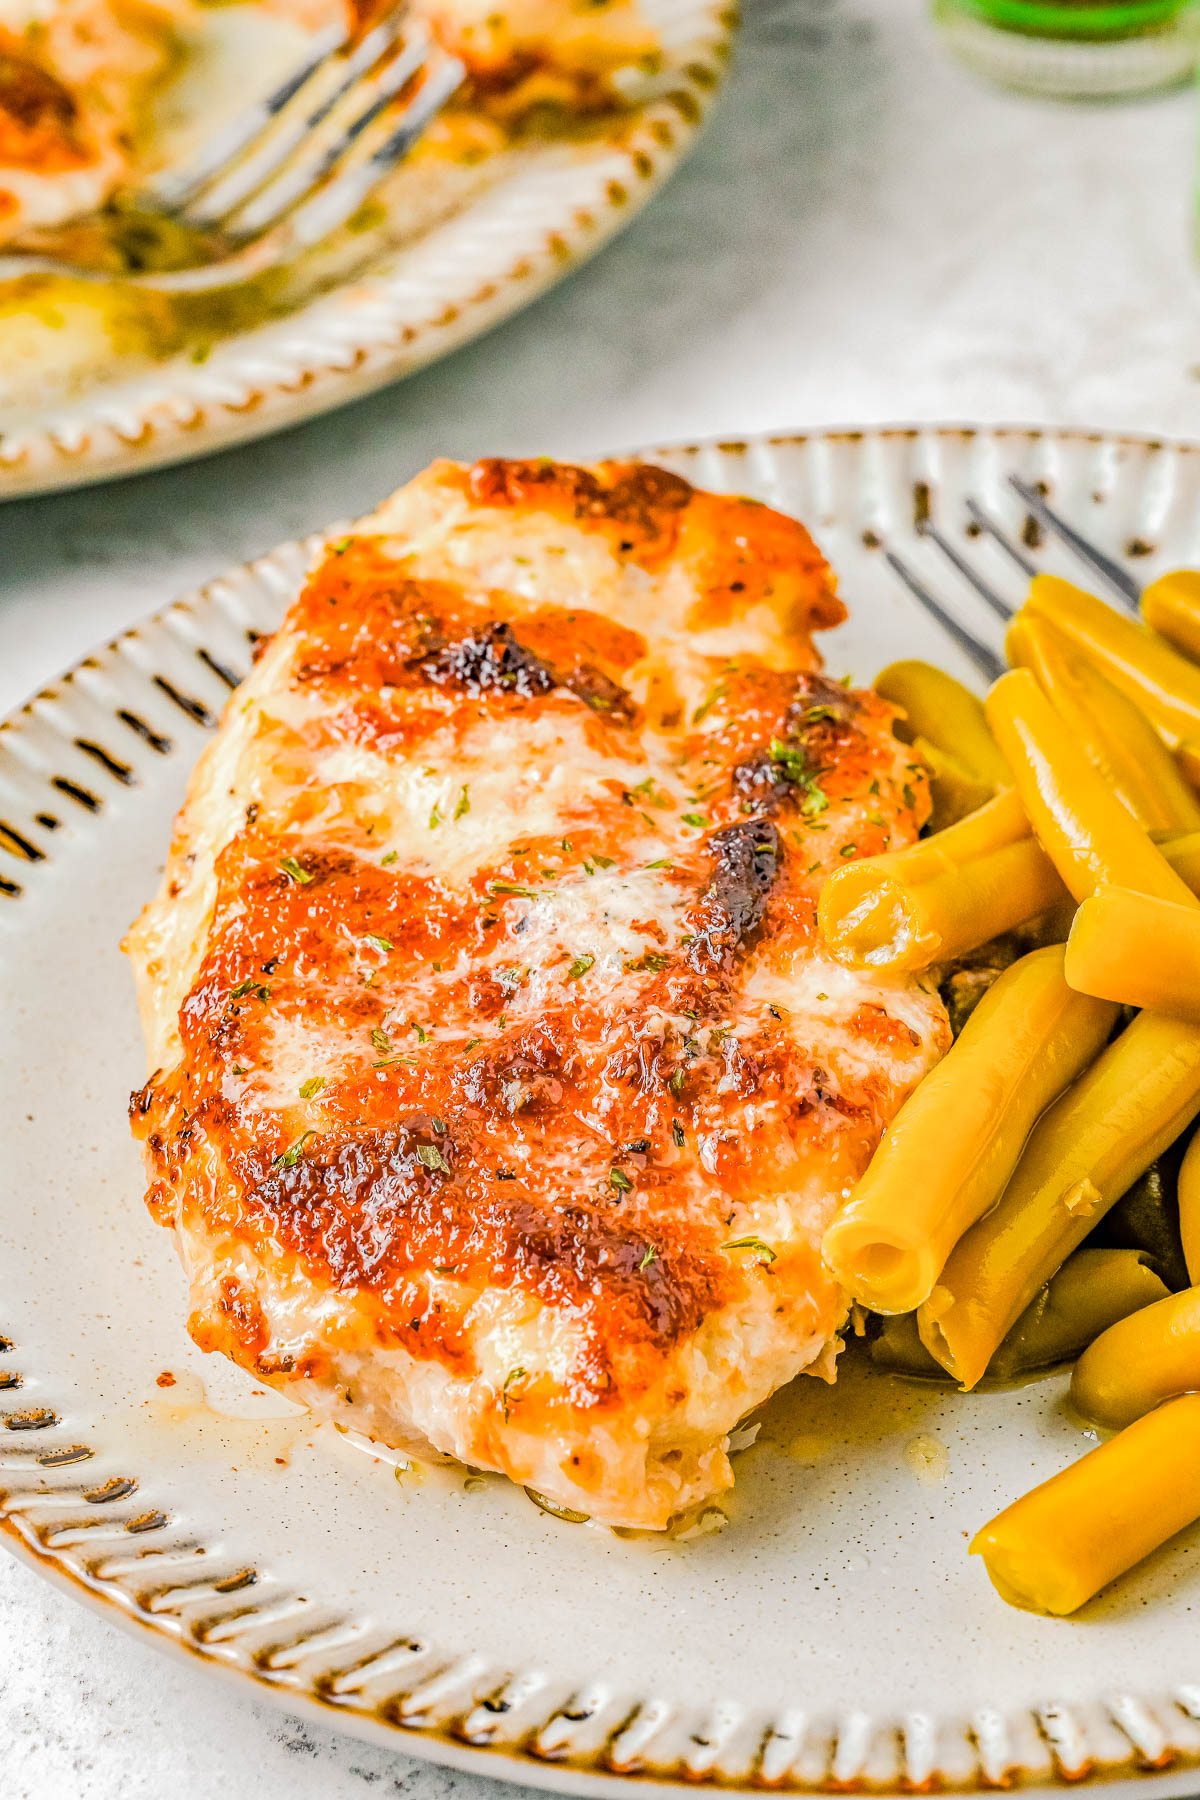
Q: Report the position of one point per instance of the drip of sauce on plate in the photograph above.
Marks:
(928, 1459)
(259, 1428)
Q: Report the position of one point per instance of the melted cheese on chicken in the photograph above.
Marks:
(501, 1092)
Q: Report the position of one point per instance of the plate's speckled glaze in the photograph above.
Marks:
(494, 253)
(834, 1634)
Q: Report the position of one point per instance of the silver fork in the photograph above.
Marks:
(283, 174)
(1111, 574)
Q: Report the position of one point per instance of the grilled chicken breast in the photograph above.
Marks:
(501, 1094)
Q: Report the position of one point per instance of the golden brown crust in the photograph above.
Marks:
(740, 552)
(39, 117)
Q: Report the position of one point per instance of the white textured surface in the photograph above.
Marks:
(864, 234)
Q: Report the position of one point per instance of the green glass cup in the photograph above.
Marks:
(1075, 49)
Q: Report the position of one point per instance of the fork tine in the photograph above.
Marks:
(292, 184)
(173, 189)
(229, 187)
(1000, 607)
(1093, 558)
(986, 661)
(986, 523)
(317, 215)
(340, 198)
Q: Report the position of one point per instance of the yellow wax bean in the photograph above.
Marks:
(872, 917)
(1078, 820)
(897, 1348)
(1092, 1290)
(1052, 1550)
(1171, 606)
(1183, 854)
(947, 714)
(1092, 1144)
(1143, 665)
(1146, 1218)
(1137, 951)
(1139, 1362)
(1116, 735)
(941, 897)
(954, 788)
(944, 723)
(1028, 1037)
(1187, 757)
(946, 895)
(1189, 1208)
(1002, 820)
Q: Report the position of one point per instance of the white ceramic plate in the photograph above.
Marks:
(833, 1634)
(76, 411)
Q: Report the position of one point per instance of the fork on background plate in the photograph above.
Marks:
(1112, 574)
(280, 176)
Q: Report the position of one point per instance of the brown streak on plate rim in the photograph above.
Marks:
(519, 1761)
(74, 791)
(149, 1521)
(34, 1418)
(147, 733)
(223, 673)
(118, 1487)
(119, 771)
(17, 845)
(189, 706)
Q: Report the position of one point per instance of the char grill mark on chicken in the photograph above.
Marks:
(746, 863)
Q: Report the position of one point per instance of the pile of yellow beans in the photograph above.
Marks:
(1065, 806)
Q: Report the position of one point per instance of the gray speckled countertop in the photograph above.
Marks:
(864, 234)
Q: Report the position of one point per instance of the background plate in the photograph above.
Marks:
(835, 1633)
(555, 205)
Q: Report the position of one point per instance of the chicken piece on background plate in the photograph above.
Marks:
(573, 54)
(75, 76)
(501, 1093)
